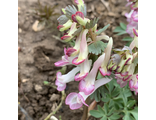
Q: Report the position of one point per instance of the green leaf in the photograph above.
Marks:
(97, 47)
(130, 103)
(115, 116)
(127, 117)
(97, 97)
(96, 113)
(70, 10)
(91, 24)
(106, 108)
(134, 112)
(45, 82)
(99, 76)
(111, 103)
(118, 29)
(103, 29)
(110, 86)
(100, 109)
(63, 70)
(128, 43)
(123, 26)
(127, 39)
(111, 111)
(104, 118)
(116, 92)
(121, 33)
(105, 99)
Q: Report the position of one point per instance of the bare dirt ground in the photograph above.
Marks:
(39, 51)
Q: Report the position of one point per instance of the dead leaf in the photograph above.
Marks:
(36, 27)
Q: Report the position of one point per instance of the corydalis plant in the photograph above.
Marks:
(91, 57)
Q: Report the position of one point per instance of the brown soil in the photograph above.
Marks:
(39, 51)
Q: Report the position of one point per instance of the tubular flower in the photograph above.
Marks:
(65, 26)
(61, 80)
(85, 67)
(114, 61)
(122, 80)
(78, 17)
(103, 68)
(69, 35)
(135, 16)
(66, 59)
(98, 38)
(77, 45)
(126, 54)
(76, 100)
(83, 50)
(134, 43)
(133, 84)
(133, 4)
(79, 3)
(88, 84)
(130, 27)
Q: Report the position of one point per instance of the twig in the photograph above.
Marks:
(24, 112)
(24, 95)
(106, 4)
(58, 107)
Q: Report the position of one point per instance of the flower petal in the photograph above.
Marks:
(86, 88)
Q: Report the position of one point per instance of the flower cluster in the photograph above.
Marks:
(132, 17)
(84, 32)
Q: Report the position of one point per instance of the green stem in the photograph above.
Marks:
(58, 107)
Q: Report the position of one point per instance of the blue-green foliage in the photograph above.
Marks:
(118, 102)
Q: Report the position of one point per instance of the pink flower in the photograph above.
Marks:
(65, 26)
(133, 84)
(87, 85)
(66, 59)
(61, 80)
(78, 17)
(122, 79)
(132, 25)
(83, 50)
(85, 67)
(67, 37)
(76, 100)
(135, 15)
(103, 67)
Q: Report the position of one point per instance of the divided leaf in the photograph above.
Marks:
(96, 113)
(127, 39)
(70, 10)
(91, 24)
(97, 47)
(103, 29)
(123, 26)
(62, 19)
(84, 10)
